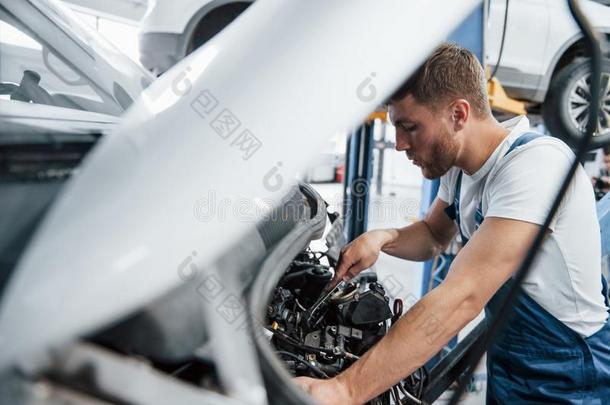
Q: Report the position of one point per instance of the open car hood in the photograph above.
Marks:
(235, 120)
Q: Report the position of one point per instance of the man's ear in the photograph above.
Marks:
(460, 113)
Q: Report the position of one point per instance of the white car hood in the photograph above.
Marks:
(292, 73)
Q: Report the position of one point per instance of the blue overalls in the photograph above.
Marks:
(538, 359)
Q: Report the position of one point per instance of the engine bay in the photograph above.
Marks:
(319, 338)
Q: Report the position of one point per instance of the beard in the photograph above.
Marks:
(441, 158)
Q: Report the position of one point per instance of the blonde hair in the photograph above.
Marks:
(450, 72)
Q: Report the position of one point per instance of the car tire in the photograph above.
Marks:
(565, 107)
(214, 22)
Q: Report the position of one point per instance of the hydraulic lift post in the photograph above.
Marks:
(356, 186)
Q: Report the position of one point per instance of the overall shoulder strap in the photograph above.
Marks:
(522, 140)
(453, 211)
(456, 206)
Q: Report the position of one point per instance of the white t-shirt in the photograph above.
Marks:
(566, 275)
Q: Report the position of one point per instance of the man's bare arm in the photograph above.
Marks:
(423, 239)
(489, 259)
(419, 241)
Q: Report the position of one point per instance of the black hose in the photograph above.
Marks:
(397, 310)
(497, 326)
(493, 73)
(290, 340)
(313, 368)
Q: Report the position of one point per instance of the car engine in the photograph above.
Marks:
(321, 339)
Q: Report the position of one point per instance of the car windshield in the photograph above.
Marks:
(62, 63)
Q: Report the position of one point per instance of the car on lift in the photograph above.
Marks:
(170, 30)
(543, 60)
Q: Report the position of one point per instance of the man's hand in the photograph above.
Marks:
(419, 241)
(360, 254)
(325, 392)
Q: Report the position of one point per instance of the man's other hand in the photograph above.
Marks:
(325, 392)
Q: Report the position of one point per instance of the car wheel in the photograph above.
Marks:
(566, 107)
(214, 22)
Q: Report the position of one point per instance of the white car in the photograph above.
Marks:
(170, 30)
(544, 60)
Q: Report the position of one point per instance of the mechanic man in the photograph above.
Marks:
(497, 186)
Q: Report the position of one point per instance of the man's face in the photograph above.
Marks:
(607, 161)
(424, 135)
